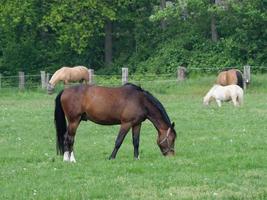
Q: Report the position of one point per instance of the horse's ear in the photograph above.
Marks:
(173, 124)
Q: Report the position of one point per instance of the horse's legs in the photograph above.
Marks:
(240, 100)
(136, 136)
(122, 133)
(69, 141)
(219, 103)
(234, 100)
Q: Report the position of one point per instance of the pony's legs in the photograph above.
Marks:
(219, 103)
(122, 133)
(234, 100)
(136, 137)
(240, 100)
(69, 141)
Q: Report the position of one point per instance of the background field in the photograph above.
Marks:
(220, 153)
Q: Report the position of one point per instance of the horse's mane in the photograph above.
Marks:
(135, 86)
(154, 101)
(157, 103)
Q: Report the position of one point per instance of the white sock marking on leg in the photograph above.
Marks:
(66, 156)
(72, 158)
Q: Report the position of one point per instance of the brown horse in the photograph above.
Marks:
(128, 105)
(230, 77)
(68, 74)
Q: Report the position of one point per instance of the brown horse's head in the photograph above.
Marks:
(166, 140)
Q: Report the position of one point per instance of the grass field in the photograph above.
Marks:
(221, 153)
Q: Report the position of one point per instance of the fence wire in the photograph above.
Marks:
(34, 81)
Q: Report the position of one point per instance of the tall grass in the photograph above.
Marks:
(220, 152)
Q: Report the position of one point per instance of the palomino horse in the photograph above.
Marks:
(128, 105)
(68, 74)
(230, 77)
(224, 93)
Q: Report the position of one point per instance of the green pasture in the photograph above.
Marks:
(221, 153)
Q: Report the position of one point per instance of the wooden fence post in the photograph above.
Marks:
(246, 75)
(91, 76)
(21, 81)
(43, 80)
(181, 73)
(124, 78)
(47, 79)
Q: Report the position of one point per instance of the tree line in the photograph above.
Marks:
(144, 35)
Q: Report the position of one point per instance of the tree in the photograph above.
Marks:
(108, 42)
(77, 23)
(19, 35)
(214, 32)
(162, 7)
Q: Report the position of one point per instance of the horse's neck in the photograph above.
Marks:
(156, 117)
(56, 77)
(209, 94)
(212, 90)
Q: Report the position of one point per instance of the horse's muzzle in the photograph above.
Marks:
(169, 153)
(50, 91)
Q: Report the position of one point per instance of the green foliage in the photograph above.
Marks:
(187, 40)
(76, 23)
(44, 35)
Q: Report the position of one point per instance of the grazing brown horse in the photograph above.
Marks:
(68, 74)
(128, 105)
(230, 77)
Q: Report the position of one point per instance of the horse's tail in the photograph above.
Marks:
(60, 123)
(239, 76)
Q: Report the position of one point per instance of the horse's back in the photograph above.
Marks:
(235, 90)
(221, 79)
(238, 89)
(103, 105)
(79, 72)
(79, 68)
(229, 77)
(120, 97)
(113, 105)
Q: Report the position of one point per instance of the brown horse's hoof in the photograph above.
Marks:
(137, 158)
(111, 158)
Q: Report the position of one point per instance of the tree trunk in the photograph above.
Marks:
(108, 43)
(214, 33)
(162, 6)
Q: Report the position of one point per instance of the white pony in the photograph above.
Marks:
(225, 93)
